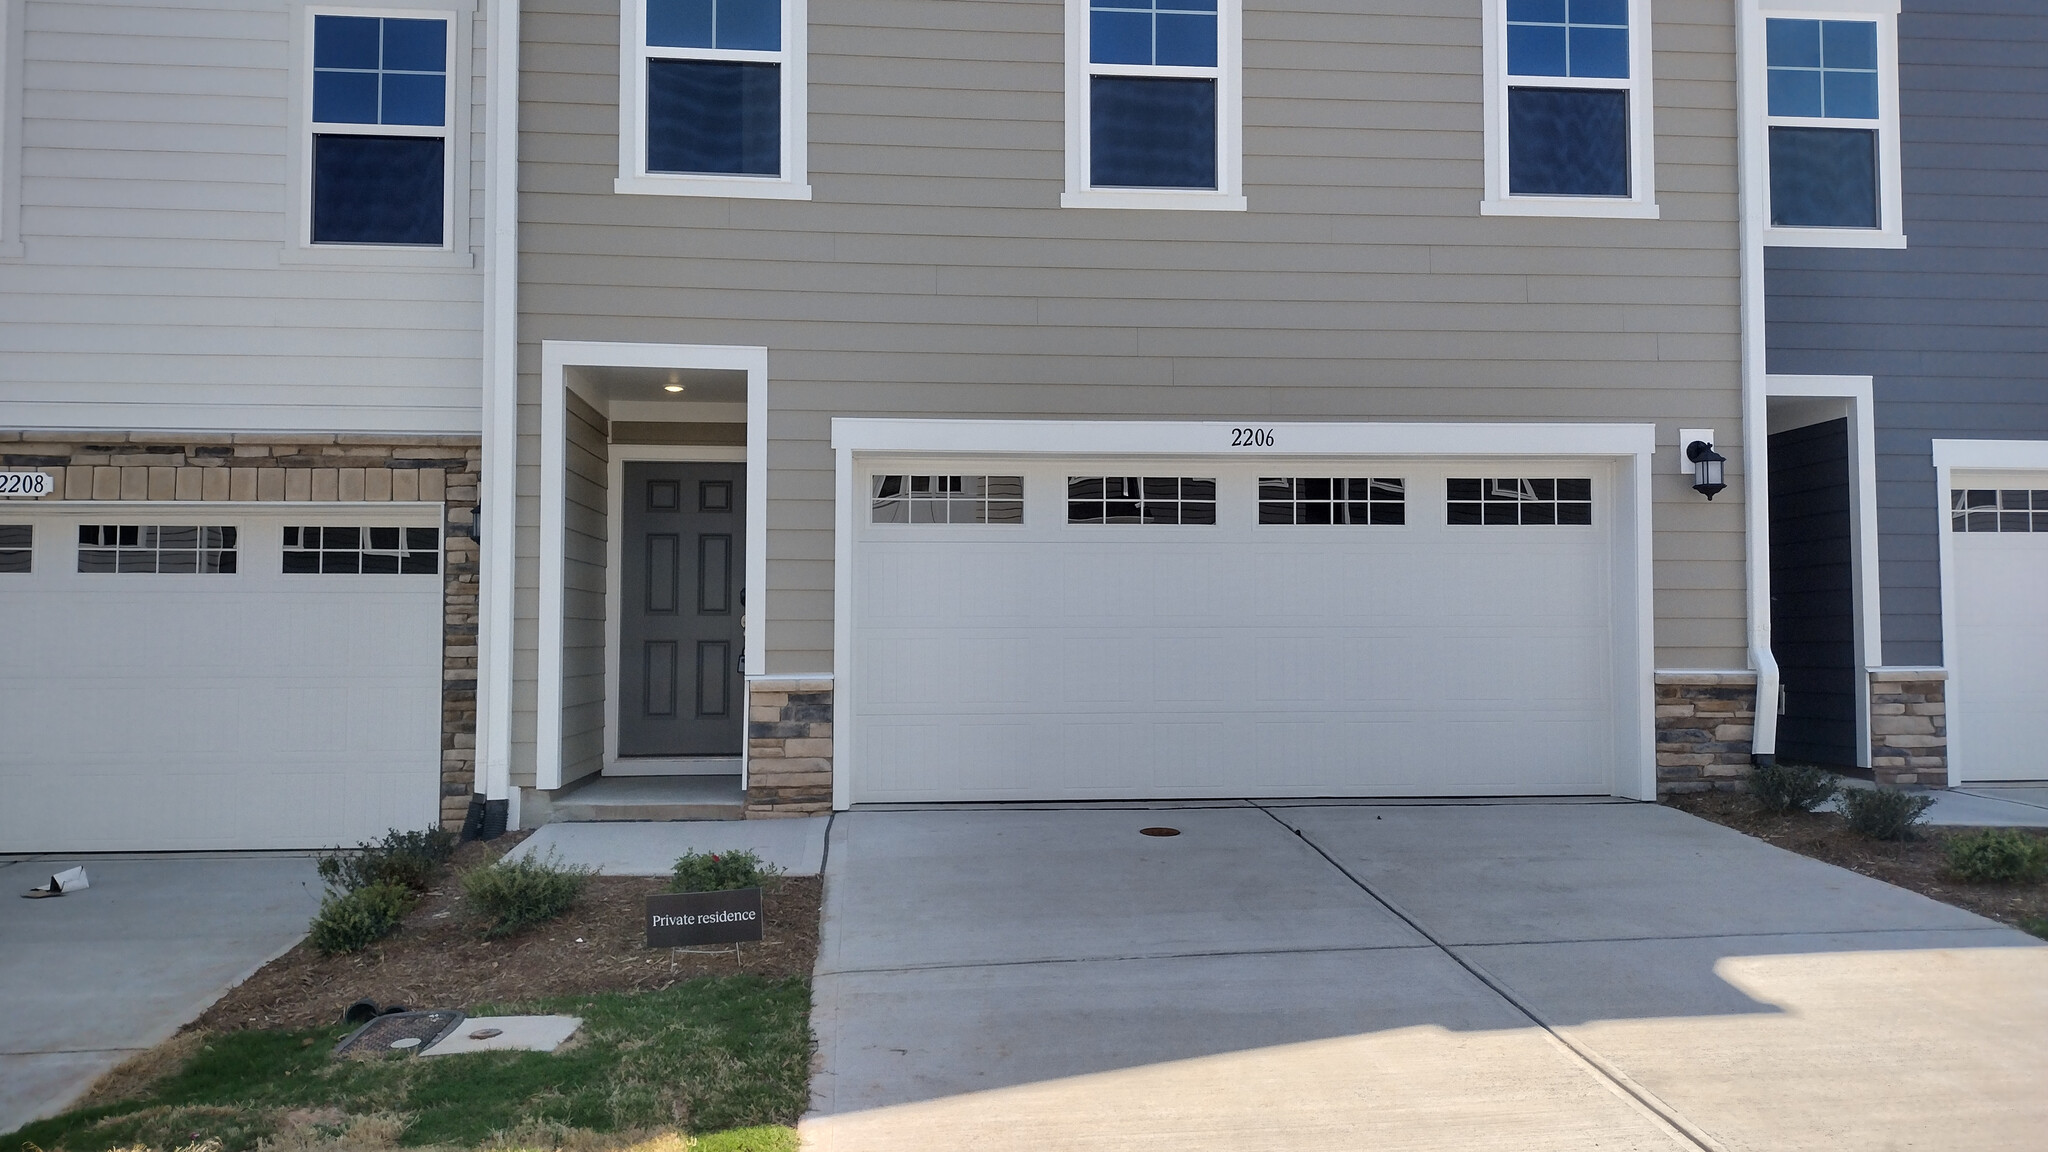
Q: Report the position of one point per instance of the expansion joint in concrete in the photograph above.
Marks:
(1645, 1102)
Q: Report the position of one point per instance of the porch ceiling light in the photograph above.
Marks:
(1706, 468)
(675, 381)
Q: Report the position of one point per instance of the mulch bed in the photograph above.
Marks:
(439, 958)
(1919, 865)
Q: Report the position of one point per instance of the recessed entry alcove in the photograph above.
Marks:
(645, 561)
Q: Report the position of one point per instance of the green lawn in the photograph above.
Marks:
(725, 1060)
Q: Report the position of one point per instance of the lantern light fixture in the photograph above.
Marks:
(1706, 468)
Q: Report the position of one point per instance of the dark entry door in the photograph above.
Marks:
(1813, 617)
(680, 687)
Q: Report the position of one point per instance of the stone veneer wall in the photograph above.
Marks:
(1705, 724)
(789, 747)
(1909, 726)
(197, 466)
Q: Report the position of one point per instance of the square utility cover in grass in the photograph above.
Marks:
(724, 1060)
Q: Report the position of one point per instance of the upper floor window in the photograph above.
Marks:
(379, 157)
(1153, 111)
(1830, 97)
(712, 98)
(1568, 108)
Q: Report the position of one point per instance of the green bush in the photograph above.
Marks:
(1997, 856)
(352, 921)
(1782, 787)
(524, 892)
(721, 872)
(407, 858)
(2035, 926)
(1885, 814)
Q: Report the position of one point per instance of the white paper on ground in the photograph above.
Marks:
(69, 880)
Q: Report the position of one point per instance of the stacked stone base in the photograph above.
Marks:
(789, 747)
(1705, 724)
(1909, 727)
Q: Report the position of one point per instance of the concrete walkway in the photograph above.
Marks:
(1526, 976)
(89, 979)
(1983, 805)
(650, 848)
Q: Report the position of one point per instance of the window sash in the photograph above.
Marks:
(1081, 190)
(789, 145)
(1639, 199)
(1883, 128)
(455, 82)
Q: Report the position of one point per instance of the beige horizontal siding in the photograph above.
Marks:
(934, 274)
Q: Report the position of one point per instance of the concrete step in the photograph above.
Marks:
(650, 798)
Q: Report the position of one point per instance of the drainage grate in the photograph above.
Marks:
(400, 1031)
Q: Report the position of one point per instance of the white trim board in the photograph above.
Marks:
(557, 356)
(1967, 457)
(1853, 395)
(1631, 446)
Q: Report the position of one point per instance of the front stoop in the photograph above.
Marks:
(612, 798)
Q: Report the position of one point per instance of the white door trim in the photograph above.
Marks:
(557, 356)
(1966, 456)
(1632, 446)
(1855, 393)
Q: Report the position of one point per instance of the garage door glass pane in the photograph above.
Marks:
(1998, 509)
(15, 546)
(1141, 500)
(1332, 500)
(1520, 500)
(905, 499)
(375, 550)
(171, 548)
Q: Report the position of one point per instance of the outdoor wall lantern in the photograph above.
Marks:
(1706, 468)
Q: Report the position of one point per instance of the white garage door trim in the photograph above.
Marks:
(1628, 446)
(256, 663)
(1971, 464)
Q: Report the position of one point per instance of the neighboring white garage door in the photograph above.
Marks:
(181, 709)
(1052, 659)
(1999, 536)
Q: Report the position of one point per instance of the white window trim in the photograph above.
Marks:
(1228, 195)
(1891, 229)
(1641, 202)
(453, 251)
(635, 180)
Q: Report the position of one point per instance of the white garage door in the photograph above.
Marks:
(1333, 631)
(2000, 540)
(200, 685)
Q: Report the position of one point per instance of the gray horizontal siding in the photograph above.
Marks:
(1954, 329)
(152, 286)
(934, 274)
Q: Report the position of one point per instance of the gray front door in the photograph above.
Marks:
(680, 688)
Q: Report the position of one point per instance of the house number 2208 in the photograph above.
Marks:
(1251, 437)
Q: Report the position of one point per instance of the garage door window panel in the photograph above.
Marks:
(1998, 509)
(157, 548)
(17, 543)
(1141, 500)
(1518, 501)
(1332, 500)
(350, 549)
(906, 499)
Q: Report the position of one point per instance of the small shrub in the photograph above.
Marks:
(352, 921)
(2035, 926)
(527, 891)
(407, 858)
(1885, 814)
(1997, 856)
(1782, 787)
(721, 872)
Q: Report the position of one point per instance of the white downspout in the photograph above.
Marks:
(497, 553)
(1752, 175)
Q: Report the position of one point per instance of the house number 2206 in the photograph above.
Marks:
(1251, 437)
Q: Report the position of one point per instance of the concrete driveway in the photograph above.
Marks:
(89, 979)
(1527, 976)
